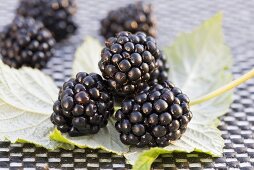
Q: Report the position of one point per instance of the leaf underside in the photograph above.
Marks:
(200, 62)
(26, 98)
(106, 139)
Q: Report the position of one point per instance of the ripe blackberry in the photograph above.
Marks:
(56, 15)
(157, 115)
(26, 42)
(133, 18)
(161, 73)
(127, 62)
(83, 106)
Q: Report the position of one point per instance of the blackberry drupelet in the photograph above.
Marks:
(161, 74)
(26, 42)
(84, 105)
(127, 62)
(56, 15)
(133, 18)
(157, 115)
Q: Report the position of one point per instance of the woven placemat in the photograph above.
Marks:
(237, 126)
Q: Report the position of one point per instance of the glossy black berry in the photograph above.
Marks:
(125, 69)
(161, 73)
(135, 117)
(26, 42)
(153, 119)
(84, 105)
(138, 129)
(147, 108)
(132, 139)
(119, 115)
(174, 125)
(78, 110)
(133, 18)
(165, 118)
(176, 110)
(155, 116)
(82, 97)
(57, 107)
(125, 126)
(56, 15)
(124, 139)
(67, 103)
(160, 105)
(159, 131)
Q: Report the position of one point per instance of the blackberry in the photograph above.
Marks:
(133, 18)
(56, 15)
(83, 106)
(161, 74)
(154, 117)
(127, 62)
(26, 42)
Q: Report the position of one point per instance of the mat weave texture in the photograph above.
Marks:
(237, 126)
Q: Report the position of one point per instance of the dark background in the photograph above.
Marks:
(173, 17)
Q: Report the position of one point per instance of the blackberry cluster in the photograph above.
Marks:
(157, 115)
(56, 15)
(133, 18)
(26, 42)
(127, 62)
(83, 106)
(160, 75)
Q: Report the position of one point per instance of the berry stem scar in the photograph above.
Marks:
(224, 88)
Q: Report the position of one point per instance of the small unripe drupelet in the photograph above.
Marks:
(154, 117)
(84, 105)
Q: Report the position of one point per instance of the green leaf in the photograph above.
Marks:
(200, 62)
(87, 57)
(106, 139)
(200, 59)
(146, 158)
(26, 98)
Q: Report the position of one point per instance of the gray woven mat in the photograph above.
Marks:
(174, 16)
